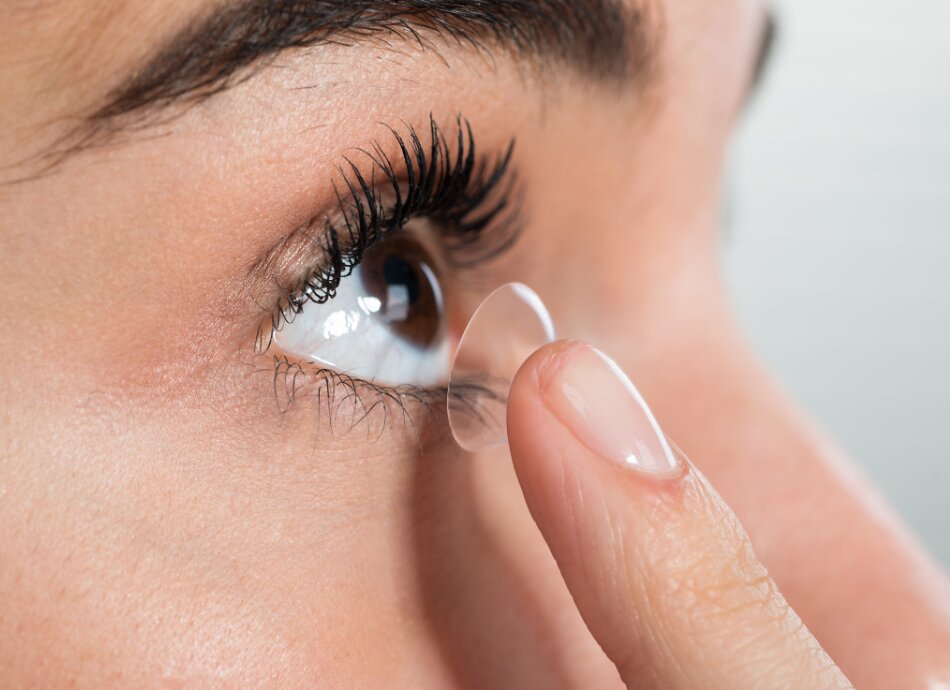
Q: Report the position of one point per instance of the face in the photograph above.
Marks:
(233, 280)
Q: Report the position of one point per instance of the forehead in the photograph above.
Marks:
(85, 27)
(65, 49)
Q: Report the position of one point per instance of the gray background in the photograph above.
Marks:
(838, 237)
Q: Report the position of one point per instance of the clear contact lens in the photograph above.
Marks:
(508, 327)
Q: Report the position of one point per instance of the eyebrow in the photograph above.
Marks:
(604, 40)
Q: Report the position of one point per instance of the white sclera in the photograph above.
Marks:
(508, 327)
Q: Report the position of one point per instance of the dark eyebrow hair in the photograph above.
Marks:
(601, 39)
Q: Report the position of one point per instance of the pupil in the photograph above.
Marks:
(398, 273)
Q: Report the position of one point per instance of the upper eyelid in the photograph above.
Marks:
(302, 238)
(305, 250)
(450, 187)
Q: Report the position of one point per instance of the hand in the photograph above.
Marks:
(660, 569)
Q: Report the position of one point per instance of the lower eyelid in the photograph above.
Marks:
(346, 402)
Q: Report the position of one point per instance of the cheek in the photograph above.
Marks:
(177, 554)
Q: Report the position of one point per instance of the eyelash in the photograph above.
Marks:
(473, 202)
(470, 200)
(336, 392)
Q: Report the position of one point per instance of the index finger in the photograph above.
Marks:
(659, 567)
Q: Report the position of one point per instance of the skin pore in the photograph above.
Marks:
(166, 522)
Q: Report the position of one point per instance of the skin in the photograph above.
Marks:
(166, 524)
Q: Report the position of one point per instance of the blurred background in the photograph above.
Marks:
(838, 240)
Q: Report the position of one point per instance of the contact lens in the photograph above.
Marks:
(507, 328)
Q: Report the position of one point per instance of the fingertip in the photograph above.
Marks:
(526, 397)
(595, 402)
(538, 369)
(530, 434)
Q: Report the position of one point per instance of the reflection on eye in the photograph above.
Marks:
(385, 325)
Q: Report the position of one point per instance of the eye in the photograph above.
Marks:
(386, 323)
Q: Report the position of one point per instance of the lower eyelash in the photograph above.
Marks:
(339, 393)
(351, 400)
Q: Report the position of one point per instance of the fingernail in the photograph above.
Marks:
(599, 404)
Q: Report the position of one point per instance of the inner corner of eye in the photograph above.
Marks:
(384, 323)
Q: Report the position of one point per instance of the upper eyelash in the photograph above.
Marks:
(466, 196)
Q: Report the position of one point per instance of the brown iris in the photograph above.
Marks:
(399, 274)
